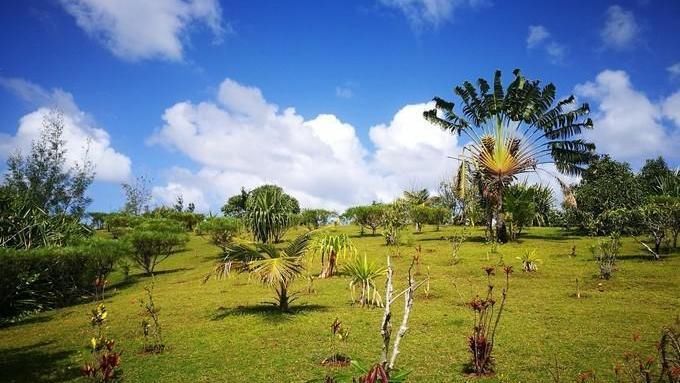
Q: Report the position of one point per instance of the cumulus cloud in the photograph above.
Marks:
(628, 125)
(540, 38)
(83, 139)
(537, 35)
(674, 70)
(620, 29)
(422, 13)
(135, 30)
(240, 139)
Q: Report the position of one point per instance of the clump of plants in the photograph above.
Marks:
(105, 361)
(663, 367)
(339, 336)
(487, 315)
(529, 261)
(605, 253)
(221, 230)
(151, 325)
(331, 247)
(364, 274)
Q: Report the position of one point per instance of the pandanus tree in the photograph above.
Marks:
(512, 131)
(269, 213)
(330, 247)
(273, 266)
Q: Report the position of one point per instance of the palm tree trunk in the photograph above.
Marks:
(283, 297)
(329, 269)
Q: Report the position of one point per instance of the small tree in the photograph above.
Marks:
(274, 267)
(315, 218)
(369, 217)
(137, 196)
(420, 215)
(656, 219)
(154, 240)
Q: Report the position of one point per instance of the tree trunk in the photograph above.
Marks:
(329, 269)
(283, 297)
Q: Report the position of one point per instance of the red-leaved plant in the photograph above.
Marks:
(487, 317)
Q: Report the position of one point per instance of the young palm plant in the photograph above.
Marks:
(331, 247)
(268, 215)
(364, 273)
(513, 131)
(274, 267)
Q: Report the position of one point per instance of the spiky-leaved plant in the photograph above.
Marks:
(511, 131)
(364, 274)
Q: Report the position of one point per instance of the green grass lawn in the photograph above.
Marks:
(219, 331)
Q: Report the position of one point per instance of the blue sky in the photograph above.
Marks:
(195, 94)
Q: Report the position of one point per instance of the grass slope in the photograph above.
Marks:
(218, 331)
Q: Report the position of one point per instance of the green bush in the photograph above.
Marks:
(154, 240)
(221, 230)
(51, 277)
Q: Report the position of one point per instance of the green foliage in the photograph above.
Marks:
(606, 185)
(364, 274)
(236, 205)
(519, 207)
(42, 198)
(420, 215)
(529, 261)
(367, 217)
(439, 216)
(274, 267)
(154, 240)
(331, 247)
(650, 174)
(221, 230)
(605, 252)
(315, 218)
(270, 213)
(394, 218)
(51, 277)
(187, 219)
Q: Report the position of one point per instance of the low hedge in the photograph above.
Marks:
(48, 277)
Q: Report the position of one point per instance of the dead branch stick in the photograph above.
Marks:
(408, 303)
(386, 326)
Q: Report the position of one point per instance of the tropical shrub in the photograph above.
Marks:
(529, 261)
(330, 247)
(420, 215)
(274, 267)
(269, 213)
(486, 319)
(439, 216)
(154, 240)
(394, 218)
(605, 253)
(221, 230)
(105, 361)
(364, 274)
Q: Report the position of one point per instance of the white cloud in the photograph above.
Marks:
(430, 12)
(344, 92)
(540, 38)
(135, 30)
(620, 29)
(242, 140)
(82, 137)
(671, 108)
(628, 125)
(537, 35)
(167, 195)
(674, 70)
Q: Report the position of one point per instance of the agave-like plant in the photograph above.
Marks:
(364, 273)
(273, 266)
(331, 247)
(513, 131)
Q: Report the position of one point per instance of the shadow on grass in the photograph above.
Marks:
(29, 319)
(266, 311)
(30, 364)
